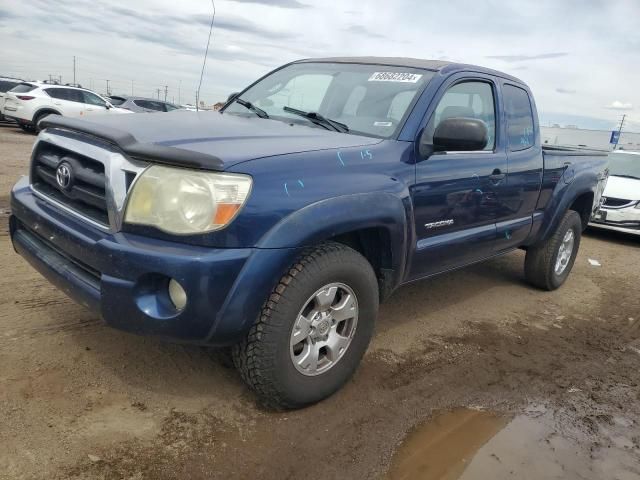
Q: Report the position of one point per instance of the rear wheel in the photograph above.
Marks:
(313, 329)
(548, 265)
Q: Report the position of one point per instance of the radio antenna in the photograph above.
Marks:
(206, 52)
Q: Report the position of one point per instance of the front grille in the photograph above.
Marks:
(616, 202)
(86, 192)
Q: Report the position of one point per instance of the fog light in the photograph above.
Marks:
(177, 294)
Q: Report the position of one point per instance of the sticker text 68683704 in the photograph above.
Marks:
(395, 77)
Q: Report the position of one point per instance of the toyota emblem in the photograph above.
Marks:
(63, 175)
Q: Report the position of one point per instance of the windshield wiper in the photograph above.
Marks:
(625, 176)
(319, 120)
(250, 106)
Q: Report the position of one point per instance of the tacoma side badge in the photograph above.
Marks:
(441, 223)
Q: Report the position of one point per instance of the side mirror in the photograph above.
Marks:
(460, 134)
(232, 96)
(107, 105)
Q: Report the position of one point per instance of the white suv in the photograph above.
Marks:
(29, 102)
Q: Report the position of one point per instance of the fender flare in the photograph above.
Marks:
(46, 110)
(344, 214)
(554, 214)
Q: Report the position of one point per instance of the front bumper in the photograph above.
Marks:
(625, 220)
(124, 277)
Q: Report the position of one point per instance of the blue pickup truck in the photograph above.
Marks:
(276, 226)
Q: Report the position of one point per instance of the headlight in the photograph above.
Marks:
(183, 201)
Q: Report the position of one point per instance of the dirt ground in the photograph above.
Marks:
(475, 370)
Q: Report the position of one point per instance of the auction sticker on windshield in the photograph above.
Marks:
(395, 77)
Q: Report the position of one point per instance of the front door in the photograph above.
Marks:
(457, 195)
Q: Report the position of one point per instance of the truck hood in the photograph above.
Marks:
(208, 140)
(623, 188)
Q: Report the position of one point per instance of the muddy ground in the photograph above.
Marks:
(502, 380)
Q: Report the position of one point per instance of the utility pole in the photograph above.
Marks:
(620, 131)
(165, 92)
(108, 92)
(74, 69)
(179, 85)
(158, 93)
(132, 88)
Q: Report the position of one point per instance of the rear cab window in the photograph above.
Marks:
(519, 114)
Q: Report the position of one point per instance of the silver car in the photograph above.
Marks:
(141, 104)
(620, 208)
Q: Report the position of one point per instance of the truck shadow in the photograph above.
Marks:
(187, 371)
(430, 296)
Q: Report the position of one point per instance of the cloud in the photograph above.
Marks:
(276, 3)
(360, 30)
(565, 91)
(4, 15)
(526, 58)
(618, 105)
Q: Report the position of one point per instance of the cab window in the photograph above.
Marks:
(470, 100)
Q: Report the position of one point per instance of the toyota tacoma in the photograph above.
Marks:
(276, 226)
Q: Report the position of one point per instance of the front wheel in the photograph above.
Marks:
(548, 265)
(313, 329)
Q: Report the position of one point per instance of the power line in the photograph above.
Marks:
(206, 52)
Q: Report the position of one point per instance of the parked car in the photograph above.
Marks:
(141, 104)
(620, 208)
(6, 84)
(277, 226)
(29, 102)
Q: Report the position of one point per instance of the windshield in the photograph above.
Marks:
(370, 100)
(624, 164)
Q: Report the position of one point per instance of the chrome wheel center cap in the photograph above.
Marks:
(323, 327)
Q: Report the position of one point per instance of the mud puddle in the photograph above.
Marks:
(474, 444)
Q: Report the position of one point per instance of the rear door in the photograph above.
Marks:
(524, 173)
(68, 101)
(456, 196)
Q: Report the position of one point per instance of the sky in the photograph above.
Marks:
(581, 58)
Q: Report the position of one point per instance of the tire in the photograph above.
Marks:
(26, 128)
(541, 260)
(37, 119)
(269, 361)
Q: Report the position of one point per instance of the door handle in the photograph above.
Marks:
(497, 176)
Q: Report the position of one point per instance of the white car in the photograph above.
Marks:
(6, 84)
(29, 102)
(620, 208)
